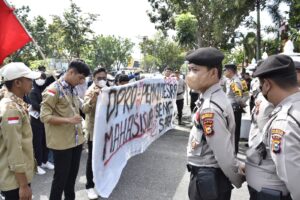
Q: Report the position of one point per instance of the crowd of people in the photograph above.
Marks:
(54, 116)
(47, 120)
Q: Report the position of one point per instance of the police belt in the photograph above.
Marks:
(267, 194)
(194, 169)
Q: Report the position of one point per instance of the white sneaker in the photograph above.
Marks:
(40, 171)
(91, 193)
(47, 165)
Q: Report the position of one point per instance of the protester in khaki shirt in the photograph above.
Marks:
(89, 108)
(60, 115)
(16, 150)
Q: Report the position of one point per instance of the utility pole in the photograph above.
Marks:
(258, 35)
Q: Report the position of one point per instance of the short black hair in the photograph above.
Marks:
(219, 67)
(41, 68)
(123, 78)
(168, 68)
(98, 70)
(284, 81)
(43, 75)
(80, 66)
(9, 84)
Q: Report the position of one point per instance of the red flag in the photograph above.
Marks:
(13, 35)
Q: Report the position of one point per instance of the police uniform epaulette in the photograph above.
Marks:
(222, 110)
(292, 115)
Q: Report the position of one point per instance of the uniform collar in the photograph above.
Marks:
(66, 86)
(212, 89)
(234, 77)
(290, 99)
(17, 100)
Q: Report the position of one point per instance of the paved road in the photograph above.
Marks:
(158, 174)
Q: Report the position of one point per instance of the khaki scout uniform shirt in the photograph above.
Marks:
(64, 136)
(16, 149)
(214, 120)
(3, 90)
(89, 109)
(280, 170)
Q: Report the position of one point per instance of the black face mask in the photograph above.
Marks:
(265, 95)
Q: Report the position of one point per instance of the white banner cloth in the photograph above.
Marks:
(128, 119)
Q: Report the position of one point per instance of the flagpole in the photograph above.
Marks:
(43, 56)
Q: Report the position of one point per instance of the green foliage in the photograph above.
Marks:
(71, 36)
(216, 19)
(36, 63)
(234, 56)
(249, 43)
(165, 52)
(186, 27)
(271, 46)
(294, 15)
(109, 51)
(295, 37)
(76, 30)
(149, 63)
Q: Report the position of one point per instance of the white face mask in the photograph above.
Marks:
(102, 83)
(40, 82)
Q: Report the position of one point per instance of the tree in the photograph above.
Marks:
(186, 28)
(164, 52)
(41, 35)
(294, 14)
(236, 55)
(56, 39)
(109, 51)
(216, 19)
(38, 30)
(123, 50)
(76, 30)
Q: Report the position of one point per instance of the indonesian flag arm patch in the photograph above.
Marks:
(13, 120)
(51, 92)
(208, 123)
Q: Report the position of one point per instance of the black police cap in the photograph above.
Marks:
(297, 65)
(275, 64)
(207, 56)
(230, 66)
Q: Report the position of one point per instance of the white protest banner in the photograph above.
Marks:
(128, 119)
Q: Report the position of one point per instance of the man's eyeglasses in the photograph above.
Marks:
(101, 78)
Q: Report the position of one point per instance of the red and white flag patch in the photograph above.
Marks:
(51, 92)
(13, 120)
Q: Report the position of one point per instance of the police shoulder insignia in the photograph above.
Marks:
(276, 136)
(208, 123)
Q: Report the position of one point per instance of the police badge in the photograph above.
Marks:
(276, 136)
